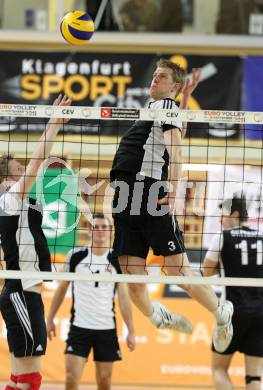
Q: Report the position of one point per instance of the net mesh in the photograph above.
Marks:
(74, 184)
(214, 169)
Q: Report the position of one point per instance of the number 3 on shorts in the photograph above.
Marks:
(171, 245)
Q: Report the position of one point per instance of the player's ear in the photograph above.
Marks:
(176, 87)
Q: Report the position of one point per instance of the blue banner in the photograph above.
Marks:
(252, 93)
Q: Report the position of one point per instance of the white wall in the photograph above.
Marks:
(205, 15)
(14, 12)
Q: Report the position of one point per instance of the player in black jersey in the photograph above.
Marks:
(146, 164)
(237, 251)
(25, 248)
(93, 322)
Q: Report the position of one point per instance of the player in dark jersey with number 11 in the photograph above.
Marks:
(237, 252)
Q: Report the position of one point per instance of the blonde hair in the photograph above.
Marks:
(4, 166)
(179, 74)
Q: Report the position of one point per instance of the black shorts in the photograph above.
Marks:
(136, 234)
(104, 343)
(23, 313)
(248, 334)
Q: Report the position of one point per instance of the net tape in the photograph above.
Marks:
(109, 113)
(123, 278)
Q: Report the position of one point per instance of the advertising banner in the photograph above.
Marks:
(252, 92)
(162, 357)
(105, 80)
(57, 191)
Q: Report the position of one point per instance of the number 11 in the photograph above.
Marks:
(244, 251)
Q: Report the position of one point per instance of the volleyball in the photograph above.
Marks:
(77, 27)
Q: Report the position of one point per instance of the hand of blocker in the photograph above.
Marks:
(191, 84)
(61, 101)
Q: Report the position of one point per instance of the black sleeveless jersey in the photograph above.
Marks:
(142, 149)
(242, 257)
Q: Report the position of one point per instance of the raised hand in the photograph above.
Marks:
(61, 101)
(189, 87)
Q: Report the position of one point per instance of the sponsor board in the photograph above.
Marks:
(172, 114)
(224, 116)
(18, 110)
(103, 80)
(119, 113)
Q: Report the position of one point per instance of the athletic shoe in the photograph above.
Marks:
(223, 333)
(163, 318)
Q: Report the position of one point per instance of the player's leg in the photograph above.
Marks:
(30, 311)
(131, 244)
(104, 375)
(166, 238)
(106, 351)
(132, 250)
(9, 316)
(23, 313)
(28, 373)
(138, 291)
(252, 346)
(254, 367)
(220, 366)
(157, 313)
(11, 384)
(74, 369)
(78, 347)
(178, 265)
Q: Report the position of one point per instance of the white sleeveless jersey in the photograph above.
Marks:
(92, 302)
(23, 241)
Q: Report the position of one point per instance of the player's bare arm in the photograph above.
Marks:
(55, 305)
(126, 312)
(43, 148)
(189, 88)
(210, 267)
(173, 144)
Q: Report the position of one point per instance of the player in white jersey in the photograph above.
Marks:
(145, 173)
(25, 248)
(237, 252)
(93, 323)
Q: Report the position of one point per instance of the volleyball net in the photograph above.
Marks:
(74, 182)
